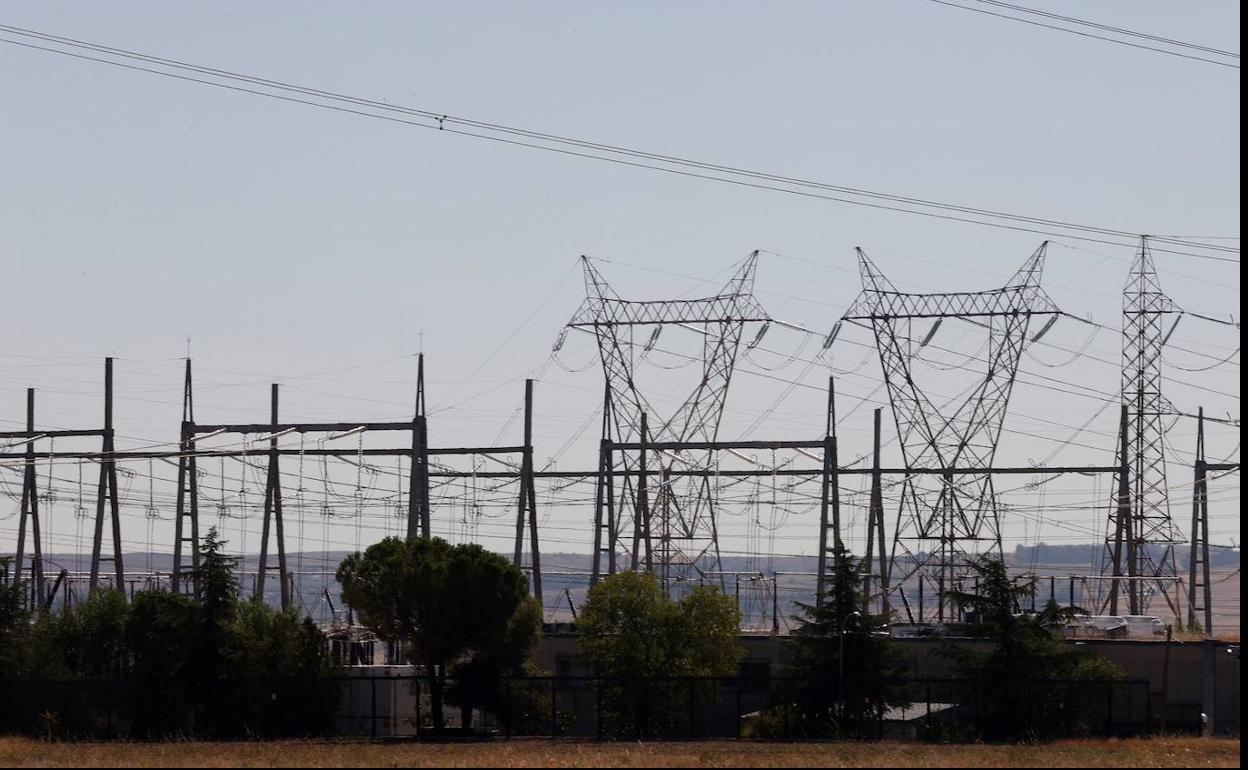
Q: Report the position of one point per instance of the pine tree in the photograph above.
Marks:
(844, 658)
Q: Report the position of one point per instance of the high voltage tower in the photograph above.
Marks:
(1140, 536)
(946, 519)
(683, 509)
(658, 491)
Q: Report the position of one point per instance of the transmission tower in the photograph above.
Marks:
(684, 506)
(947, 518)
(1140, 538)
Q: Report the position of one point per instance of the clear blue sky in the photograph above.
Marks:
(287, 241)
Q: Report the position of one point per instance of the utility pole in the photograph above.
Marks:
(418, 513)
(30, 509)
(1121, 521)
(1200, 590)
(643, 497)
(875, 522)
(604, 508)
(273, 513)
(186, 520)
(527, 507)
(829, 499)
(108, 491)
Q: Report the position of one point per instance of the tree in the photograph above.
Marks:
(639, 640)
(86, 640)
(162, 634)
(1014, 677)
(271, 642)
(450, 604)
(14, 625)
(479, 674)
(218, 606)
(845, 663)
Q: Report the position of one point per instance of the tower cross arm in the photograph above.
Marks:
(720, 309)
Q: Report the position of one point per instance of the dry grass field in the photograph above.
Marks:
(1156, 752)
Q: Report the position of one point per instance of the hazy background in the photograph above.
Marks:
(322, 250)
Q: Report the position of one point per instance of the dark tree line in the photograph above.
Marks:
(195, 660)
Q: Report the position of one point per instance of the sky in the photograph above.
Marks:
(143, 217)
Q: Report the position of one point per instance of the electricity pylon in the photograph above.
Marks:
(946, 519)
(1140, 537)
(684, 517)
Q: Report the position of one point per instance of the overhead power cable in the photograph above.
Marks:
(1110, 28)
(1116, 30)
(506, 134)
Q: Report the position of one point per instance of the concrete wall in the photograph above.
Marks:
(557, 654)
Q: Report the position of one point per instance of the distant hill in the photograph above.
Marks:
(565, 575)
(1091, 554)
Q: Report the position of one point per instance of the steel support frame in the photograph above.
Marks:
(937, 527)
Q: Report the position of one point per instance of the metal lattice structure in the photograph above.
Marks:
(947, 518)
(684, 509)
(1141, 532)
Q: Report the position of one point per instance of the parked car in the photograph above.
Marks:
(913, 630)
(1094, 626)
(1144, 626)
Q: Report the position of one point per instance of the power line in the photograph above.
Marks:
(1084, 34)
(1110, 28)
(619, 155)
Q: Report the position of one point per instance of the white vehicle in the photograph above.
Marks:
(912, 630)
(1093, 626)
(1144, 626)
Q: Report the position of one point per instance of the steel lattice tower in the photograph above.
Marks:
(1141, 522)
(684, 516)
(945, 519)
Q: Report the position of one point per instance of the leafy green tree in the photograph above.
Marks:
(642, 643)
(271, 642)
(479, 675)
(86, 640)
(449, 604)
(162, 634)
(843, 658)
(15, 630)
(1015, 675)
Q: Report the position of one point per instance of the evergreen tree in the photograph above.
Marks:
(842, 654)
(1014, 681)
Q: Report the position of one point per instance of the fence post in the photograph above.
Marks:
(598, 707)
(645, 709)
(1070, 709)
(979, 724)
(737, 687)
(693, 721)
(507, 708)
(785, 710)
(372, 720)
(927, 721)
(554, 709)
(1029, 695)
(419, 722)
(108, 708)
(1109, 711)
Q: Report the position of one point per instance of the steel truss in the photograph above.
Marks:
(107, 502)
(1141, 531)
(943, 523)
(685, 509)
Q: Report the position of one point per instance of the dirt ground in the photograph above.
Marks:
(1151, 752)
